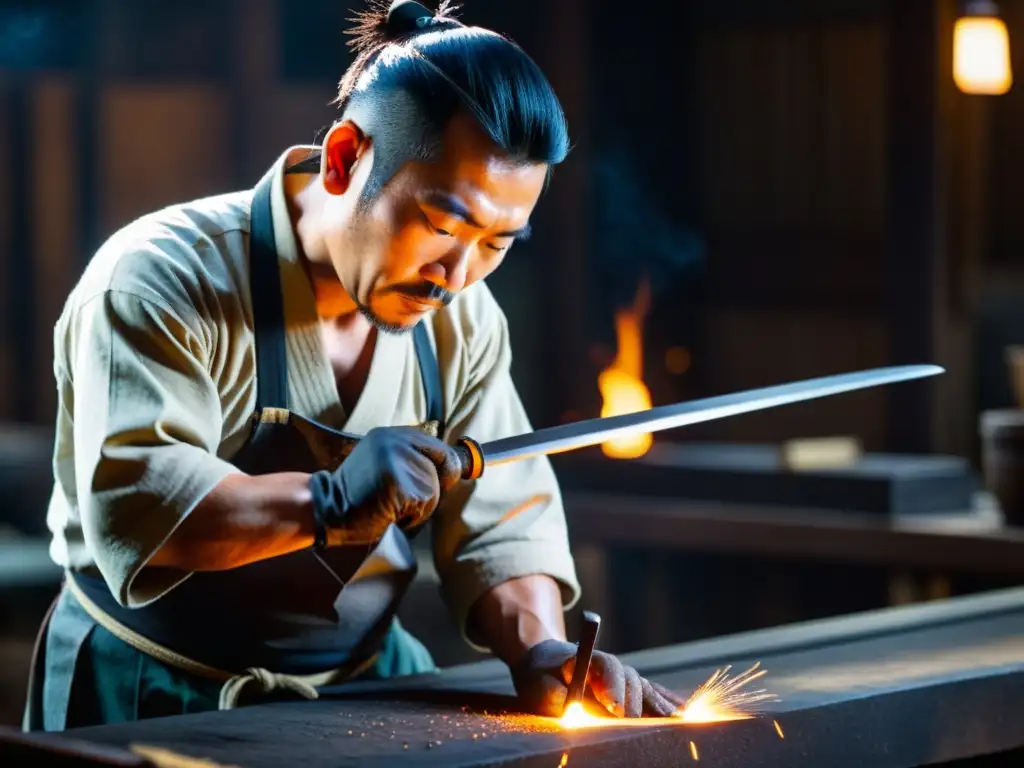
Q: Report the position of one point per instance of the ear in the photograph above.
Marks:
(342, 147)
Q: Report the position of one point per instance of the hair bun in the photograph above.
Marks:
(407, 16)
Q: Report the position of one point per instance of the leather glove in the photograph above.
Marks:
(542, 678)
(393, 475)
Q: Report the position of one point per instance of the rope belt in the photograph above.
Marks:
(254, 680)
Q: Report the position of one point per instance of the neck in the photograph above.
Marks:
(305, 200)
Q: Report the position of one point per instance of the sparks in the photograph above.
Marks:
(718, 700)
(778, 729)
(693, 751)
(564, 761)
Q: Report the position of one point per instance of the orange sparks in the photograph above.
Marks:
(778, 729)
(721, 697)
(564, 760)
(718, 700)
(693, 751)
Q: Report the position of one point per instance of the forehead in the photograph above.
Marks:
(470, 166)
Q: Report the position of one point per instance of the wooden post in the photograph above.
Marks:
(565, 63)
(19, 349)
(918, 102)
(255, 70)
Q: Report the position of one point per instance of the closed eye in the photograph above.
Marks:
(435, 229)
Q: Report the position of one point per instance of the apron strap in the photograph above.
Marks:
(267, 303)
(268, 317)
(33, 718)
(430, 372)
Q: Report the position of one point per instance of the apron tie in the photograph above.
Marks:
(255, 680)
(262, 681)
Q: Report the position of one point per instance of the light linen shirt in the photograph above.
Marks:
(155, 369)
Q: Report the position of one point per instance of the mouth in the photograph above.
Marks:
(419, 305)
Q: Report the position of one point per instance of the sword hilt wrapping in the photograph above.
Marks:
(472, 457)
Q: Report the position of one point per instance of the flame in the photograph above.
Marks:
(621, 384)
(718, 700)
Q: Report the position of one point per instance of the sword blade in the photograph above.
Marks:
(582, 434)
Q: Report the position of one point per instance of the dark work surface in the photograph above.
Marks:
(753, 474)
(901, 687)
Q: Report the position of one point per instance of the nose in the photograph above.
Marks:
(450, 270)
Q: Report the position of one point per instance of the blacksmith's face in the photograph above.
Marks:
(434, 229)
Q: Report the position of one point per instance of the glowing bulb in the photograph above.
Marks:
(981, 52)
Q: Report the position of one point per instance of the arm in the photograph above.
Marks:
(155, 500)
(502, 551)
(244, 519)
(500, 543)
(517, 614)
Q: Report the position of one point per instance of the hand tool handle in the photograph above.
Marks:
(471, 456)
(584, 653)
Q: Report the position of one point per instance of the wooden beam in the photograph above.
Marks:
(20, 272)
(917, 179)
(566, 213)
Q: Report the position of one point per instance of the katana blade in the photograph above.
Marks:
(581, 434)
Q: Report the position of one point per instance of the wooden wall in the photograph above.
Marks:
(147, 156)
(765, 129)
(123, 126)
(792, 145)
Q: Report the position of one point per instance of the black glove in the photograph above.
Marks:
(393, 475)
(542, 678)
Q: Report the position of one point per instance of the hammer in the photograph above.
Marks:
(584, 653)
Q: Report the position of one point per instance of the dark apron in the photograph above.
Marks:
(297, 614)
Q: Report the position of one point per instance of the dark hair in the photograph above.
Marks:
(415, 69)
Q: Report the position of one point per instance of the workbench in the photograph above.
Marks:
(907, 686)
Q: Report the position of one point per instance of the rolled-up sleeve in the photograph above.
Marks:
(147, 424)
(509, 523)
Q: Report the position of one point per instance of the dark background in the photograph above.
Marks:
(800, 179)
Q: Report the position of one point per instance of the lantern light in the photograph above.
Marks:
(981, 50)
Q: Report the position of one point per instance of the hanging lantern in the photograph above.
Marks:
(981, 50)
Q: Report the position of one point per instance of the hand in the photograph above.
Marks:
(393, 475)
(542, 678)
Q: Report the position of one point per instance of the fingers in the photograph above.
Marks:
(655, 703)
(444, 458)
(540, 677)
(548, 697)
(673, 698)
(633, 704)
(608, 682)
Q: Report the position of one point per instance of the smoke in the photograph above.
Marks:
(633, 238)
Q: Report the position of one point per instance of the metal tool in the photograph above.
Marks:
(584, 653)
(581, 434)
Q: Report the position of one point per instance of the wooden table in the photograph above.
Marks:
(898, 687)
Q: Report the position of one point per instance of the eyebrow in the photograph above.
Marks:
(453, 206)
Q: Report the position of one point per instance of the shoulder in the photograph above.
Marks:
(188, 259)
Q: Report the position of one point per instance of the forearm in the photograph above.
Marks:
(516, 615)
(244, 519)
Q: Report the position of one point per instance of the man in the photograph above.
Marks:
(219, 531)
